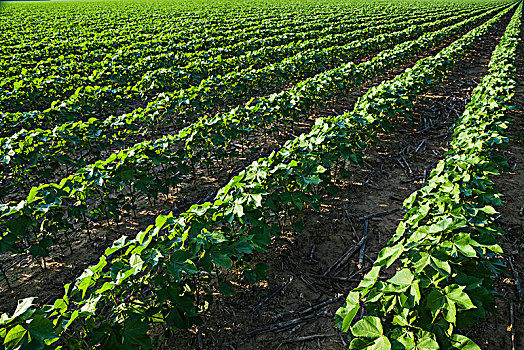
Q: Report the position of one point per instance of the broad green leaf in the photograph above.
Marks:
(456, 294)
(260, 271)
(465, 247)
(427, 343)
(488, 210)
(441, 264)
(461, 342)
(380, 343)
(440, 226)
(415, 292)
(369, 280)
(41, 328)
(406, 341)
(239, 209)
(135, 332)
(346, 313)
(388, 255)
(23, 306)
(421, 261)
(367, 327)
(15, 337)
(227, 288)
(161, 219)
(85, 281)
(450, 312)
(435, 302)
(402, 278)
(221, 260)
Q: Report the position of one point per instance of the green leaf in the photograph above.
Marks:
(23, 306)
(435, 302)
(401, 229)
(450, 312)
(161, 219)
(74, 316)
(15, 337)
(41, 328)
(381, 343)
(369, 280)
(315, 180)
(440, 226)
(257, 198)
(239, 209)
(298, 226)
(461, 342)
(38, 250)
(488, 210)
(221, 260)
(465, 247)
(124, 172)
(260, 272)
(227, 288)
(415, 292)
(420, 261)
(85, 281)
(456, 294)
(406, 341)
(243, 247)
(19, 225)
(441, 265)
(135, 332)
(261, 239)
(388, 255)
(106, 337)
(367, 327)
(345, 314)
(402, 278)
(425, 342)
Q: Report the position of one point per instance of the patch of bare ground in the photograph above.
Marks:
(294, 307)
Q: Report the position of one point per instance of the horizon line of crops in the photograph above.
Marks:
(129, 82)
(162, 33)
(122, 71)
(197, 45)
(222, 60)
(171, 31)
